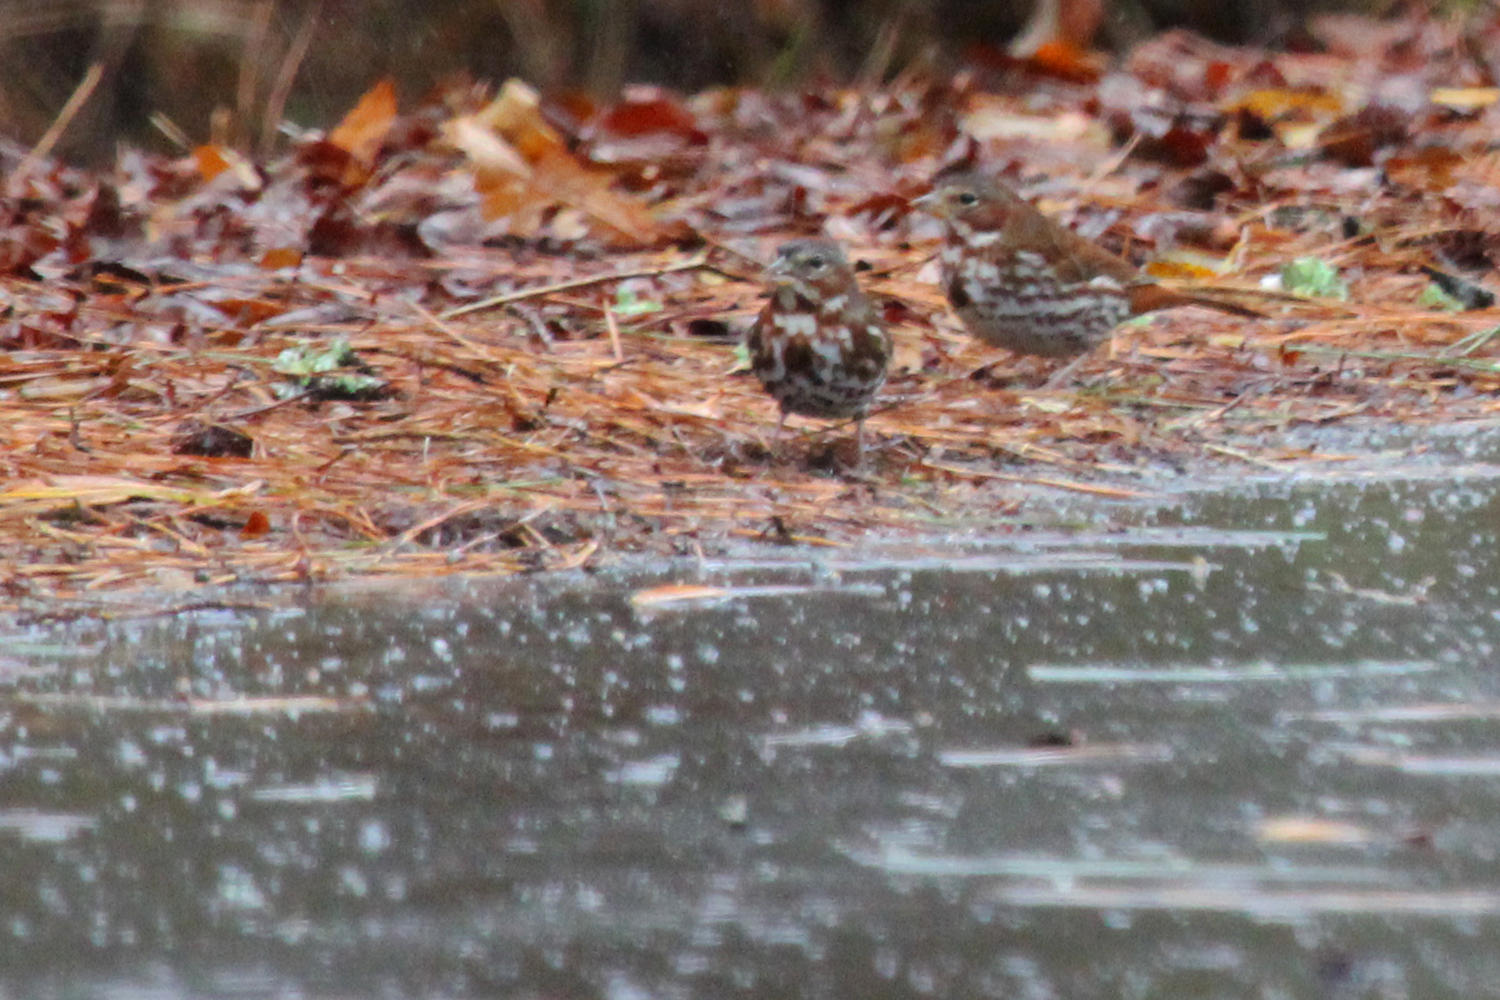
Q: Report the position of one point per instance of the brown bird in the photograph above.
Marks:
(1023, 282)
(818, 346)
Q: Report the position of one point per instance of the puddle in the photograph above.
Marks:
(1239, 743)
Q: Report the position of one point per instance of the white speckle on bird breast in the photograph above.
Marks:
(835, 304)
(797, 324)
(831, 350)
(1104, 281)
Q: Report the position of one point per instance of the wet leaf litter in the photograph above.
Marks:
(496, 331)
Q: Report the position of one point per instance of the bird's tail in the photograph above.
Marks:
(1149, 298)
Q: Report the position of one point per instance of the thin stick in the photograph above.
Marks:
(250, 59)
(466, 507)
(1111, 165)
(1220, 449)
(438, 323)
(60, 124)
(614, 331)
(1060, 484)
(691, 264)
(174, 133)
(281, 89)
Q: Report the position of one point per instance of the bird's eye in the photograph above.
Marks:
(968, 199)
(816, 261)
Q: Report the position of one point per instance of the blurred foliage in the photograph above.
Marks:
(235, 68)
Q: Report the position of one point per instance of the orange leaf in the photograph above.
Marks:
(521, 162)
(211, 161)
(214, 160)
(516, 115)
(365, 127)
(256, 525)
(1067, 62)
(628, 222)
(278, 257)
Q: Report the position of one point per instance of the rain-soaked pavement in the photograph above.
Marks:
(1247, 747)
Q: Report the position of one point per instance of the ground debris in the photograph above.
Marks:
(497, 334)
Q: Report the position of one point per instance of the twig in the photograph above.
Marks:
(1454, 361)
(281, 89)
(613, 325)
(1111, 165)
(60, 124)
(171, 130)
(438, 324)
(1220, 449)
(259, 23)
(257, 411)
(691, 264)
(1113, 492)
(1467, 345)
(458, 510)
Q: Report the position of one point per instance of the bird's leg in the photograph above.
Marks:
(776, 438)
(1063, 375)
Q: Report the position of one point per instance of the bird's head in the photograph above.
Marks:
(970, 199)
(803, 264)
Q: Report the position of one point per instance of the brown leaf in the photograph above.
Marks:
(256, 525)
(1432, 168)
(1354, 139)
(649, 113)
(523, 165)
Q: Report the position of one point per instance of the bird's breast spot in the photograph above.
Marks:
(986, 272)
(835, 304)
(1105, 281)
(831, 351)
(984, 239)
(1031, 259)
(797, 324)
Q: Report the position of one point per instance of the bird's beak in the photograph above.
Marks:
(927, 203)
(779, 268)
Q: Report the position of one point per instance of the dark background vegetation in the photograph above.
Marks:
(183, 60)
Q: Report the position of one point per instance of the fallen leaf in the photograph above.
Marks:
(1465, 98)
(682, 593)
(1312, 830)
(365, 127)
